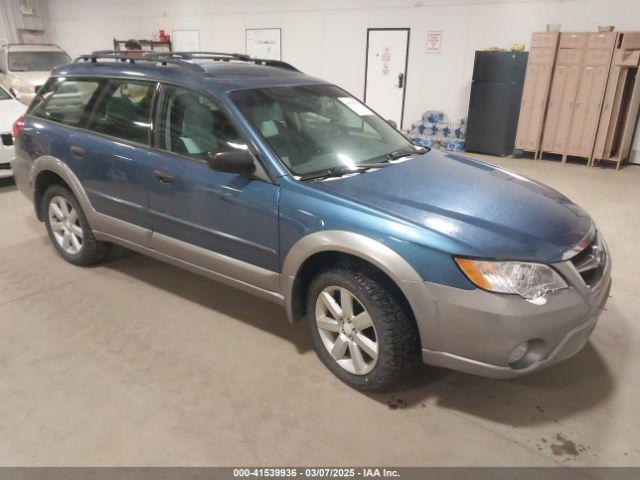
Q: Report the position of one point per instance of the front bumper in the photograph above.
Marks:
(475, 331)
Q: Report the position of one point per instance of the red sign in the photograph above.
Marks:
(434, 40)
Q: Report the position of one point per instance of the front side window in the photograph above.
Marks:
(124, 110)
(193, 125)
(36, 61)
(316, 128)
(65, 100)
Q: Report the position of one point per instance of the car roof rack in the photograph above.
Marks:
(117, 56)
(222, 57)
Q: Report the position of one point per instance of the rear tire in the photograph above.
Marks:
(361, 331)
(68, 228)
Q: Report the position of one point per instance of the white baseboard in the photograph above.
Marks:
(634, 156)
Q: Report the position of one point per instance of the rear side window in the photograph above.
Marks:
(65, 100)
(124, 110)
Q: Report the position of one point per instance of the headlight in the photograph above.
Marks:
(532, 281)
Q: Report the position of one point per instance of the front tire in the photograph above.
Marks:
(68, 228)
(361, 330)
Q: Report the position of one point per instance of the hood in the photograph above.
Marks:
(33, 78)
(10, 110)
(486, 210)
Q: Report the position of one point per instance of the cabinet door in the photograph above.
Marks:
(566, 107)
(549, 138)
(602, 40)
(587, 110)
(535, 91)
(629, 40)
(618, 110)
(610, 109)
(524, 119)
(560, 110)
(561, 100)
(544, 40)
(573, 39)
(538, 105)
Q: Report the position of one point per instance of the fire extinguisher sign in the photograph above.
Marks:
(434, 41)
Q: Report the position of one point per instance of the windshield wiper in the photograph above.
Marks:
(344, 170)
(404, 152)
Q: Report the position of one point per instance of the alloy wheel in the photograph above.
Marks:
(346, 330)
(65, 225)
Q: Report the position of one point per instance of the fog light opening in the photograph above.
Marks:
(518, 352)
(527, 353)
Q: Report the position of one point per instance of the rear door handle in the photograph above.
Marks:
(400, 80)
(78, 152)
(163, 177)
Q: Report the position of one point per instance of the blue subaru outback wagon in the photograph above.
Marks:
(256, 175)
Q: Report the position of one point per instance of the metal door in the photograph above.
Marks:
(386, 72)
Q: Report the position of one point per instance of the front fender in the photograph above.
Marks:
(390, 262)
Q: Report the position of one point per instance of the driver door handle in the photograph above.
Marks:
(163, 176)
(400, 80)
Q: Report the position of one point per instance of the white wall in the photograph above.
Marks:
(328, 38)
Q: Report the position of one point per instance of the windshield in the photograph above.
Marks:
(36, 61)
(4, 95)
(317, 128)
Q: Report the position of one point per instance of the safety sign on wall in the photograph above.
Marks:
(434, 41)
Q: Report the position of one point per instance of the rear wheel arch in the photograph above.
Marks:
(48, 170)
(42, 182)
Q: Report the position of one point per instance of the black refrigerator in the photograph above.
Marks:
(494, 106)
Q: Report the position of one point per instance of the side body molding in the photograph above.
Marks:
(366, 248)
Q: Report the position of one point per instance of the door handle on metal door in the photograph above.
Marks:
(163, 177)
(400, 80)
(78, 152)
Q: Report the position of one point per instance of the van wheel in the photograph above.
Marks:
(68, 228)
(360, 330)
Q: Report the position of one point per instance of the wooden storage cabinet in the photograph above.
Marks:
(588, 104)
(581, 95)
(535, 93)
(621, 102)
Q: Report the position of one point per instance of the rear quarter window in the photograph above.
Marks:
(65, 100)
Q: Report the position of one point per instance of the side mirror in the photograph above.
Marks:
(392, 123)
(234, 161)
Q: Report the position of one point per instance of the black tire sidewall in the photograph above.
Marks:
(386, 371)
(91, 250)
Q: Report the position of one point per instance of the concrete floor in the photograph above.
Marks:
(138, 363)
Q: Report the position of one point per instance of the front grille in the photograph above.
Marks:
(590, 262)
(7, 139)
